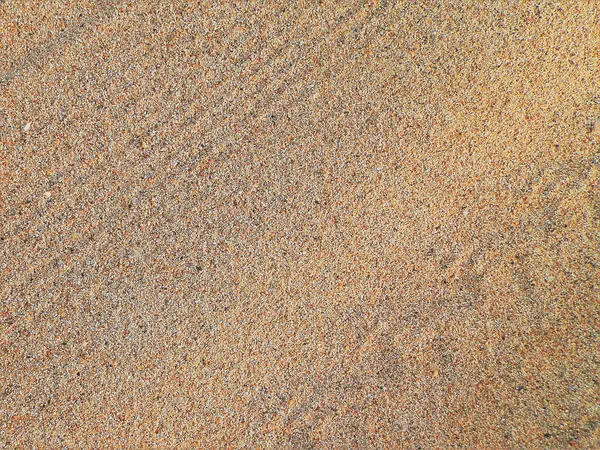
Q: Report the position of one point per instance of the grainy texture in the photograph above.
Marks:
(295, 225)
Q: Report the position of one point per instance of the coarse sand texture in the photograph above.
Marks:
(293, 225)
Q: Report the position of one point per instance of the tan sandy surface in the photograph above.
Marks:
(295, 225)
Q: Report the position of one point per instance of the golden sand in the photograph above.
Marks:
(295, 225)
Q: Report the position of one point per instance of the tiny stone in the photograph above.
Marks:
(27, 126)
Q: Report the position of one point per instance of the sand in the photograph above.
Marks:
(363, 224)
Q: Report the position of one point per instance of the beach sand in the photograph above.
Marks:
(362, 224)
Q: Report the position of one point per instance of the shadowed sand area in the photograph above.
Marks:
(362, 224)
